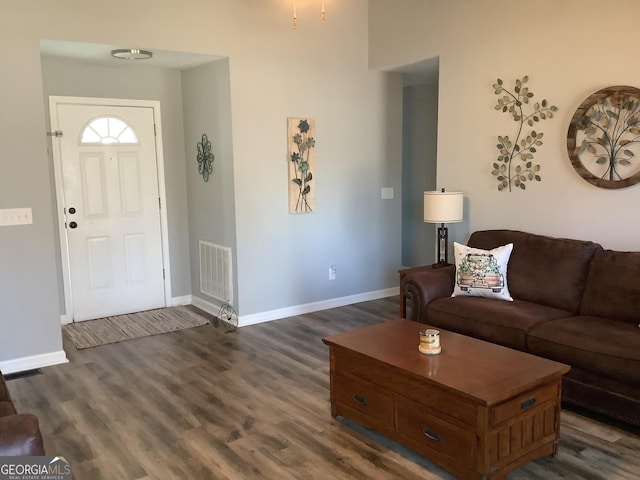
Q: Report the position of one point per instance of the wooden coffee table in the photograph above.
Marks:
(477, 409)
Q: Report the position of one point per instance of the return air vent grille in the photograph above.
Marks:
(216, 278)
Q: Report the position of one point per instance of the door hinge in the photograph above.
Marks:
(163, 273)
(159, 203)
(57, 134)
(155, 132)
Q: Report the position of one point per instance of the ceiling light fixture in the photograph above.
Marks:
(131, 54)
(323, 15)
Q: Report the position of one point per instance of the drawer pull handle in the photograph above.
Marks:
(436, 437)
(528, 403)
(358, 399)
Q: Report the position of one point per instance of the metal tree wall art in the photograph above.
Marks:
(514, 166)
(301, 144)
(604, 137)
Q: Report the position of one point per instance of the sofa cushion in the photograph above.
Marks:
(497, 321)
(545, 270)
(482, 273)
(20, 436)
(613, 286)
(595, 344)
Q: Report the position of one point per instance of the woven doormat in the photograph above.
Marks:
(102, 331)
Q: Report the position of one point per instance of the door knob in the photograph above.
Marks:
(73, 225)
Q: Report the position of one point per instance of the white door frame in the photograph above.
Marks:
(60, 202)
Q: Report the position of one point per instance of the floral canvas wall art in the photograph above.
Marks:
(302, 162)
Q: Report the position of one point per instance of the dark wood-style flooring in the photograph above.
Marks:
(204, 404)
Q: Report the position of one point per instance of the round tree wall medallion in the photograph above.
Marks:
(603, 140)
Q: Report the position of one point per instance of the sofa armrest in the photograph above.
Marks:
(20, 436)
(426, 285)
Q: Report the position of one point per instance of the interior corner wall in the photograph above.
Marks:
(479, 42)
(419, 155)
(206, 99)
(64, 77)
(317, 71)
(29, 304)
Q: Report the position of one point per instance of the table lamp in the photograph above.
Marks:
(442, 207)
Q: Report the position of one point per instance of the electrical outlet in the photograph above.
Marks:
(332, 272)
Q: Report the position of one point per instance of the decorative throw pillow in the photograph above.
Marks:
(482, 273)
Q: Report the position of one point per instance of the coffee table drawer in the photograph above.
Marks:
(522, 403)
(365, 398)
(428, 432)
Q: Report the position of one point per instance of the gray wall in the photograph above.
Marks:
(66, 77)
(29, 303)
(419, 155)
(317, 70)
(564, 70)
(206, 100)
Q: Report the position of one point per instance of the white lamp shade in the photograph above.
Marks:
(443, 207)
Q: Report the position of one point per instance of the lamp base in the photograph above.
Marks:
(443, 237)
(440, 264)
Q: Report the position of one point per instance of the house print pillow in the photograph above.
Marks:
(482, 273)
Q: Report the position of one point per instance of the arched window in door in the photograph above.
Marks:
(108, 130)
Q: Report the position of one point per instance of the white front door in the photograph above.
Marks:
(111, 208)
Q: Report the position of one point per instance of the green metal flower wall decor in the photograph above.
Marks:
(302, 155)
(205, 158)
(514, 165)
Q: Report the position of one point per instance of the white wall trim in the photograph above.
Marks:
(183, 300)
(208, 307)
(33, 362)
(255, 318)
(65, 319)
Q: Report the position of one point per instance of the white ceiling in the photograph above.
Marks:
(97, 53)
(423, 72)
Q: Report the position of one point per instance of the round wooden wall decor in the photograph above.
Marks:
(603, 140)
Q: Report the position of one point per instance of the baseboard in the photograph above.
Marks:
(177, 301)
(208, 307)
(33, 362)
(246, 320)
(262, 317)
(65, 319)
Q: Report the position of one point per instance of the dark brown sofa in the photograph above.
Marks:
(574, 302)
(19, 433)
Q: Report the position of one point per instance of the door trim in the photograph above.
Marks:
(54, 101)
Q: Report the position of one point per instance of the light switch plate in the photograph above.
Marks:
(15, 216)
(386, 193)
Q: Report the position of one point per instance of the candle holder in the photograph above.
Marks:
(429, 342)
